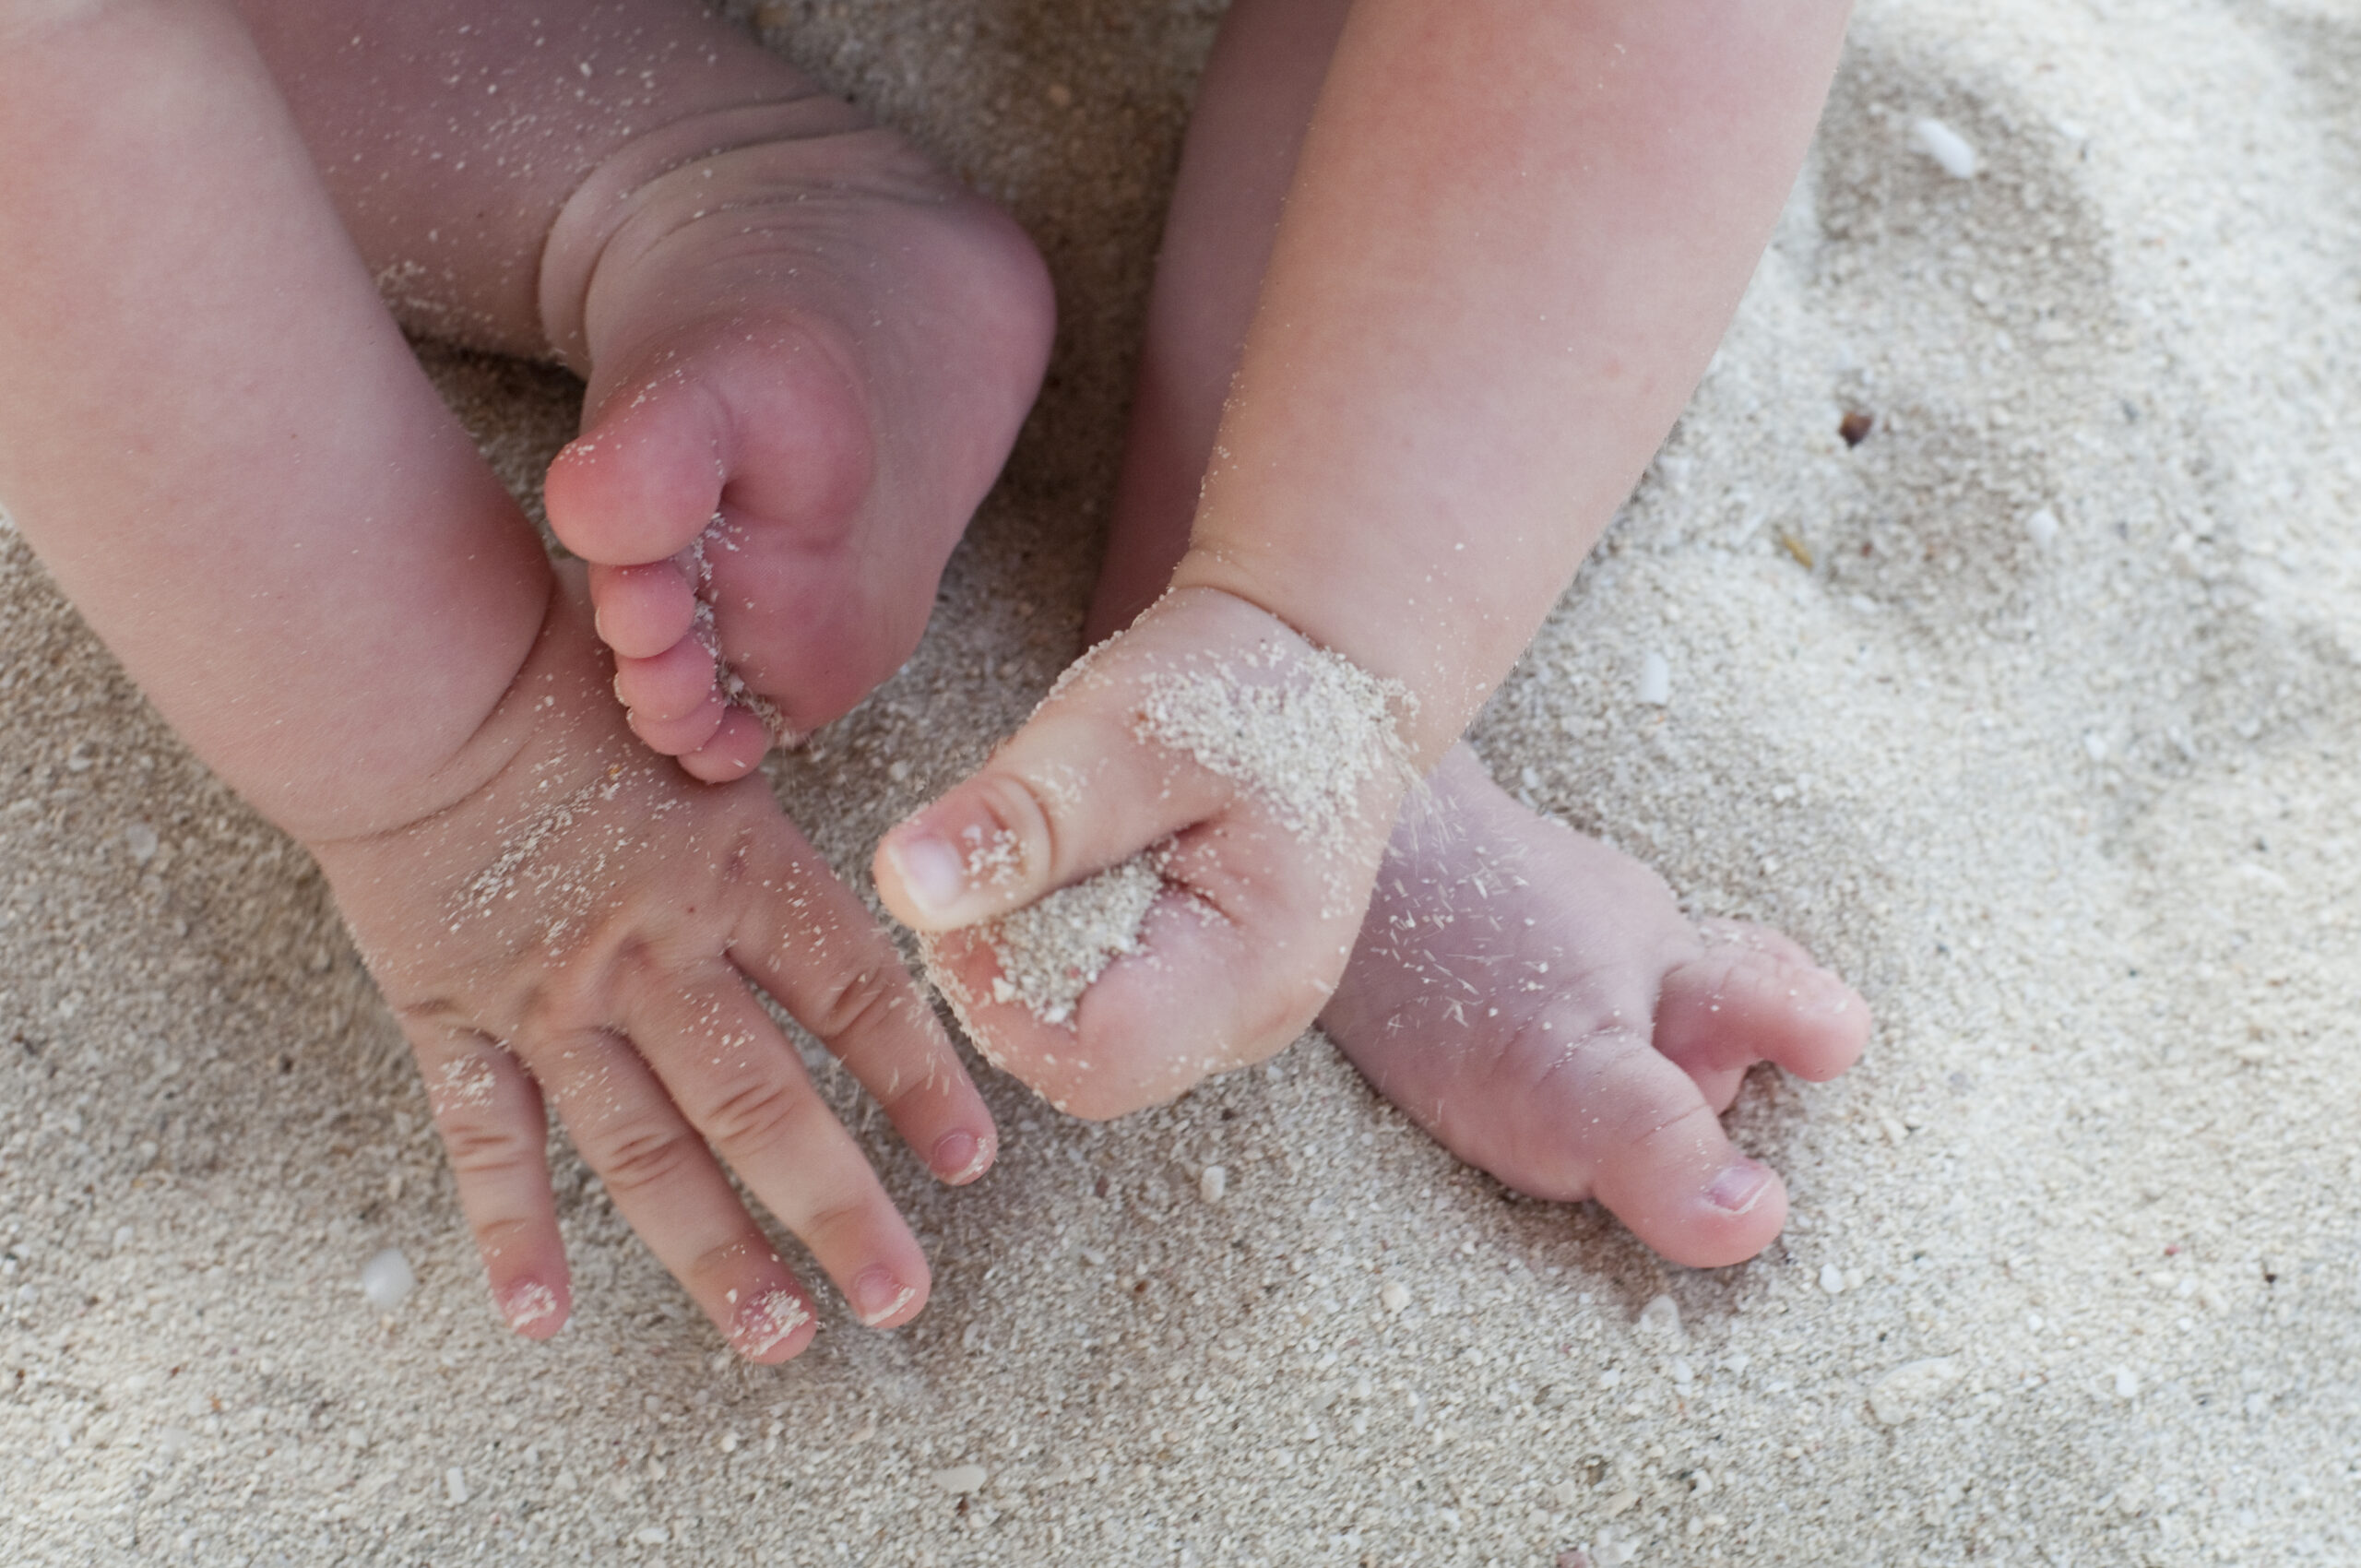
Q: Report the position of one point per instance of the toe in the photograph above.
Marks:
(1659, 1160)
(1754, 996)
(672, 686)
(678, 736)
(642, 611)
(733, 749)
(767, 412)
(642, 482)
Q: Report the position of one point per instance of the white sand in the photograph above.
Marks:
(2072, 798)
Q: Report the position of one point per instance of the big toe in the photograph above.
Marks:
(1659, 1160)
(1752, 995)
(762, 419)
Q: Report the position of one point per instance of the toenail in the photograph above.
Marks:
(1740, 1187)
(960, 1157)
(933, 873)
(876, 1295)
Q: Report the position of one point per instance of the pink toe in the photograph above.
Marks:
(644, 480)
(674, 685)
(678, 736)
(1753, 998)
(1682, 1187)
(734, 749)
(642, 611)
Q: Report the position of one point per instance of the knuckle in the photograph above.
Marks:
(825, 1226)
(1022, 810)
(754, 1113)
(855, 1001)
(480, 1147)
(636, 1157)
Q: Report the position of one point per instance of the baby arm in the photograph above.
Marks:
(216, 438)
(1515, 232)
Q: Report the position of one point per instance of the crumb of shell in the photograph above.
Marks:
(387, 1279)
(1394, 1295)
(1661, 1317)
(1952, 151)
(1909, 1390)
(962, 1477)
(1212, 1183)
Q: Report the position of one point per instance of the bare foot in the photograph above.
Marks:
(808, 353)
(1538, 1003)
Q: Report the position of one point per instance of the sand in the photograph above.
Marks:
(2036, 712)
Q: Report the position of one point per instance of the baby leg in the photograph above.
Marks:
(808, 349)
(1533, 998)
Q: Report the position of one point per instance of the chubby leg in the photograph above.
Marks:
(1534, 999)
(808, 349)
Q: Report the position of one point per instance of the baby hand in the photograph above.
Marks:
(584, 929)
(1199, 809)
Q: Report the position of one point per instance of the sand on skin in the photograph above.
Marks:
(2071, 802)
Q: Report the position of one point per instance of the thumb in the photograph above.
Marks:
(1076, 791)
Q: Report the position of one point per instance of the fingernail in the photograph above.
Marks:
(933, 872)
(876, 1295)
(527, 1304)
(1824, 995)
(960, 1157)
(764, 1322)
(1740, 1187)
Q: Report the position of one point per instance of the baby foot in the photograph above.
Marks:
(807, 353)
(1203, 801)
(1538, 1003)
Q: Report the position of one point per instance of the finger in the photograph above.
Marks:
(489, 1112)
(1072, 793)
(741, 1085)
(733, 749)
(665, 1184)
(1754, 996)
(811, 943)
(671, 684)
(642, 611)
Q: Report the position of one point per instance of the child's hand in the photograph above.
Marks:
(1259, 776)
(585, 927)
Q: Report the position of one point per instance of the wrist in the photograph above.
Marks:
(1442, 645)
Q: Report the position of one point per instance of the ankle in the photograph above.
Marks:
(654, 184)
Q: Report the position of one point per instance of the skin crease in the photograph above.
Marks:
(216, 438)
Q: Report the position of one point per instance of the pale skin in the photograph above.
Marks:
(1427, 426)
(421, 687)
(216, 438)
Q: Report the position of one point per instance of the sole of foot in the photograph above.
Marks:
(807, 360)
